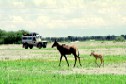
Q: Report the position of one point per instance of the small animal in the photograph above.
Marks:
(98, 56)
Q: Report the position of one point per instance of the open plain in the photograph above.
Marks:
(18, 65)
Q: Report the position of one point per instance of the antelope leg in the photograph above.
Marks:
(66, 60)
(75, 61)
(79, 61)
(60, 60)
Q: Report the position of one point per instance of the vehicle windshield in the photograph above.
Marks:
(38, 38)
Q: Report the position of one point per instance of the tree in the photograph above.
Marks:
(19, 35)
(11, 36)
(2, 36)
(120, 39)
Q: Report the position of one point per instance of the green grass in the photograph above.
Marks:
(44, 69)
(89, 61)
(30, 77)
(52, 64)
(100, 45)
(34, 71)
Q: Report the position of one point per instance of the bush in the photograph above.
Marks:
(11, 37)
(120, 39)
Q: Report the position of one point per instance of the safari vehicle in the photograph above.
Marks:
(33, 39)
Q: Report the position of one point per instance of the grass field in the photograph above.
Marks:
(20, 66)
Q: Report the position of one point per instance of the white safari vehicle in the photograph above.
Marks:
(33, 39)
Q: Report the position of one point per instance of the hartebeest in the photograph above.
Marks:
(67, 50)
(100, 56)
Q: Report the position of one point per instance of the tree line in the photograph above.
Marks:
(14, 37)
(11, 37)
(87, 38)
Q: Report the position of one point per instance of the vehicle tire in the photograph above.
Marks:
(44, 46)
(39, 45)
(23, 46)
(26, 46)
(30, 46)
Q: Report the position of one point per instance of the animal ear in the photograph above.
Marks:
(55, 40)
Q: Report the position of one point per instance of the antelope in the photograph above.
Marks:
(67, 50)
(100, 56)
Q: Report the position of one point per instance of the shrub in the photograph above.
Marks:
(120, 39)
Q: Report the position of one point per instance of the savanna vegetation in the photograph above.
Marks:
(14, 37)
(11, 37)
(20, 66)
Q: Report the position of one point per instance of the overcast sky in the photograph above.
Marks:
(64, 17)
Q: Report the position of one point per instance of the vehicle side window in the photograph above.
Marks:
(24, 38)
(29, 38)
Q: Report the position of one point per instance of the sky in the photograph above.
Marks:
(59, 18)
